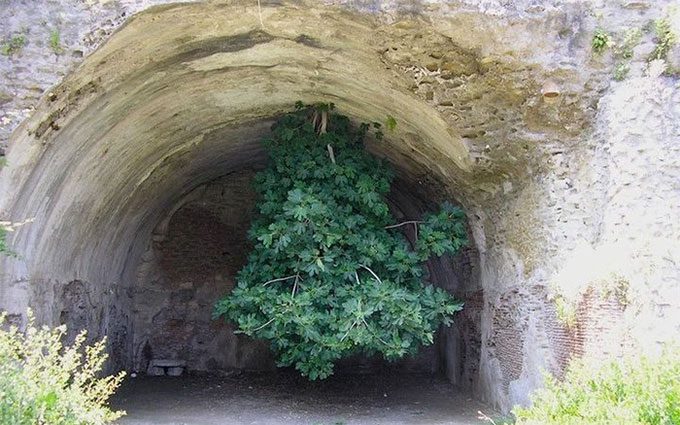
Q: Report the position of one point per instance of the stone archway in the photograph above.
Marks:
(180, 95)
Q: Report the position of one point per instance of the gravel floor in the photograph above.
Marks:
(285, 398)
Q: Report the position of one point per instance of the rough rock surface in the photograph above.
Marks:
(575, 195)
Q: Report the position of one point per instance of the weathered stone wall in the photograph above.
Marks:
(190, 264)
(565, 195)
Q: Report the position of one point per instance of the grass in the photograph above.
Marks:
(55, 41)
(13, 45)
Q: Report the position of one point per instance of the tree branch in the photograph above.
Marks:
(260, 327)
(372, 272)
(415, 226)
(280, 279)
(324, 122)
(414, 222)
(259, 13)
(297, 277)
(368, 328)
(348, 330)
(331, 153)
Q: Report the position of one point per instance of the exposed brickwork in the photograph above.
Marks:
(507, 339)
(600, 327)
(204, 246)
(599, 331)
(562, 339)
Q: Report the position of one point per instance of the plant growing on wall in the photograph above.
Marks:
(4, 249)
(13, 45)
(7, 227)
(601, 40)
(331, 274)
(623, 44)
(55, 42)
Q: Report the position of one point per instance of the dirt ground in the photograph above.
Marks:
(285, 398)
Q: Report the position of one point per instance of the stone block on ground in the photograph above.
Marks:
(155, 371)
(169, 367)
(175, 371)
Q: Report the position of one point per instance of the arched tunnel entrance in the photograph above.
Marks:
(135, 172)
(192, 260)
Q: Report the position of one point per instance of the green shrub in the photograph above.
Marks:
(665, 38)
(631, 38)
(330, 275)
(600, 41)
(634, 391)
(44, 382)
(621, 71)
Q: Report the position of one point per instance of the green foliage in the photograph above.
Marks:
(391, 123)
(44, 382)
(631, 38)
(621, 71)
(330, 275)
(600, 41)
(623, 44)
(55, 41)
(13, 45)
(618, 287)
(4, 249)
(633, 391)
(5, 228)
(566, 311)
(665, 39)
(496, 420)
(622, 49)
